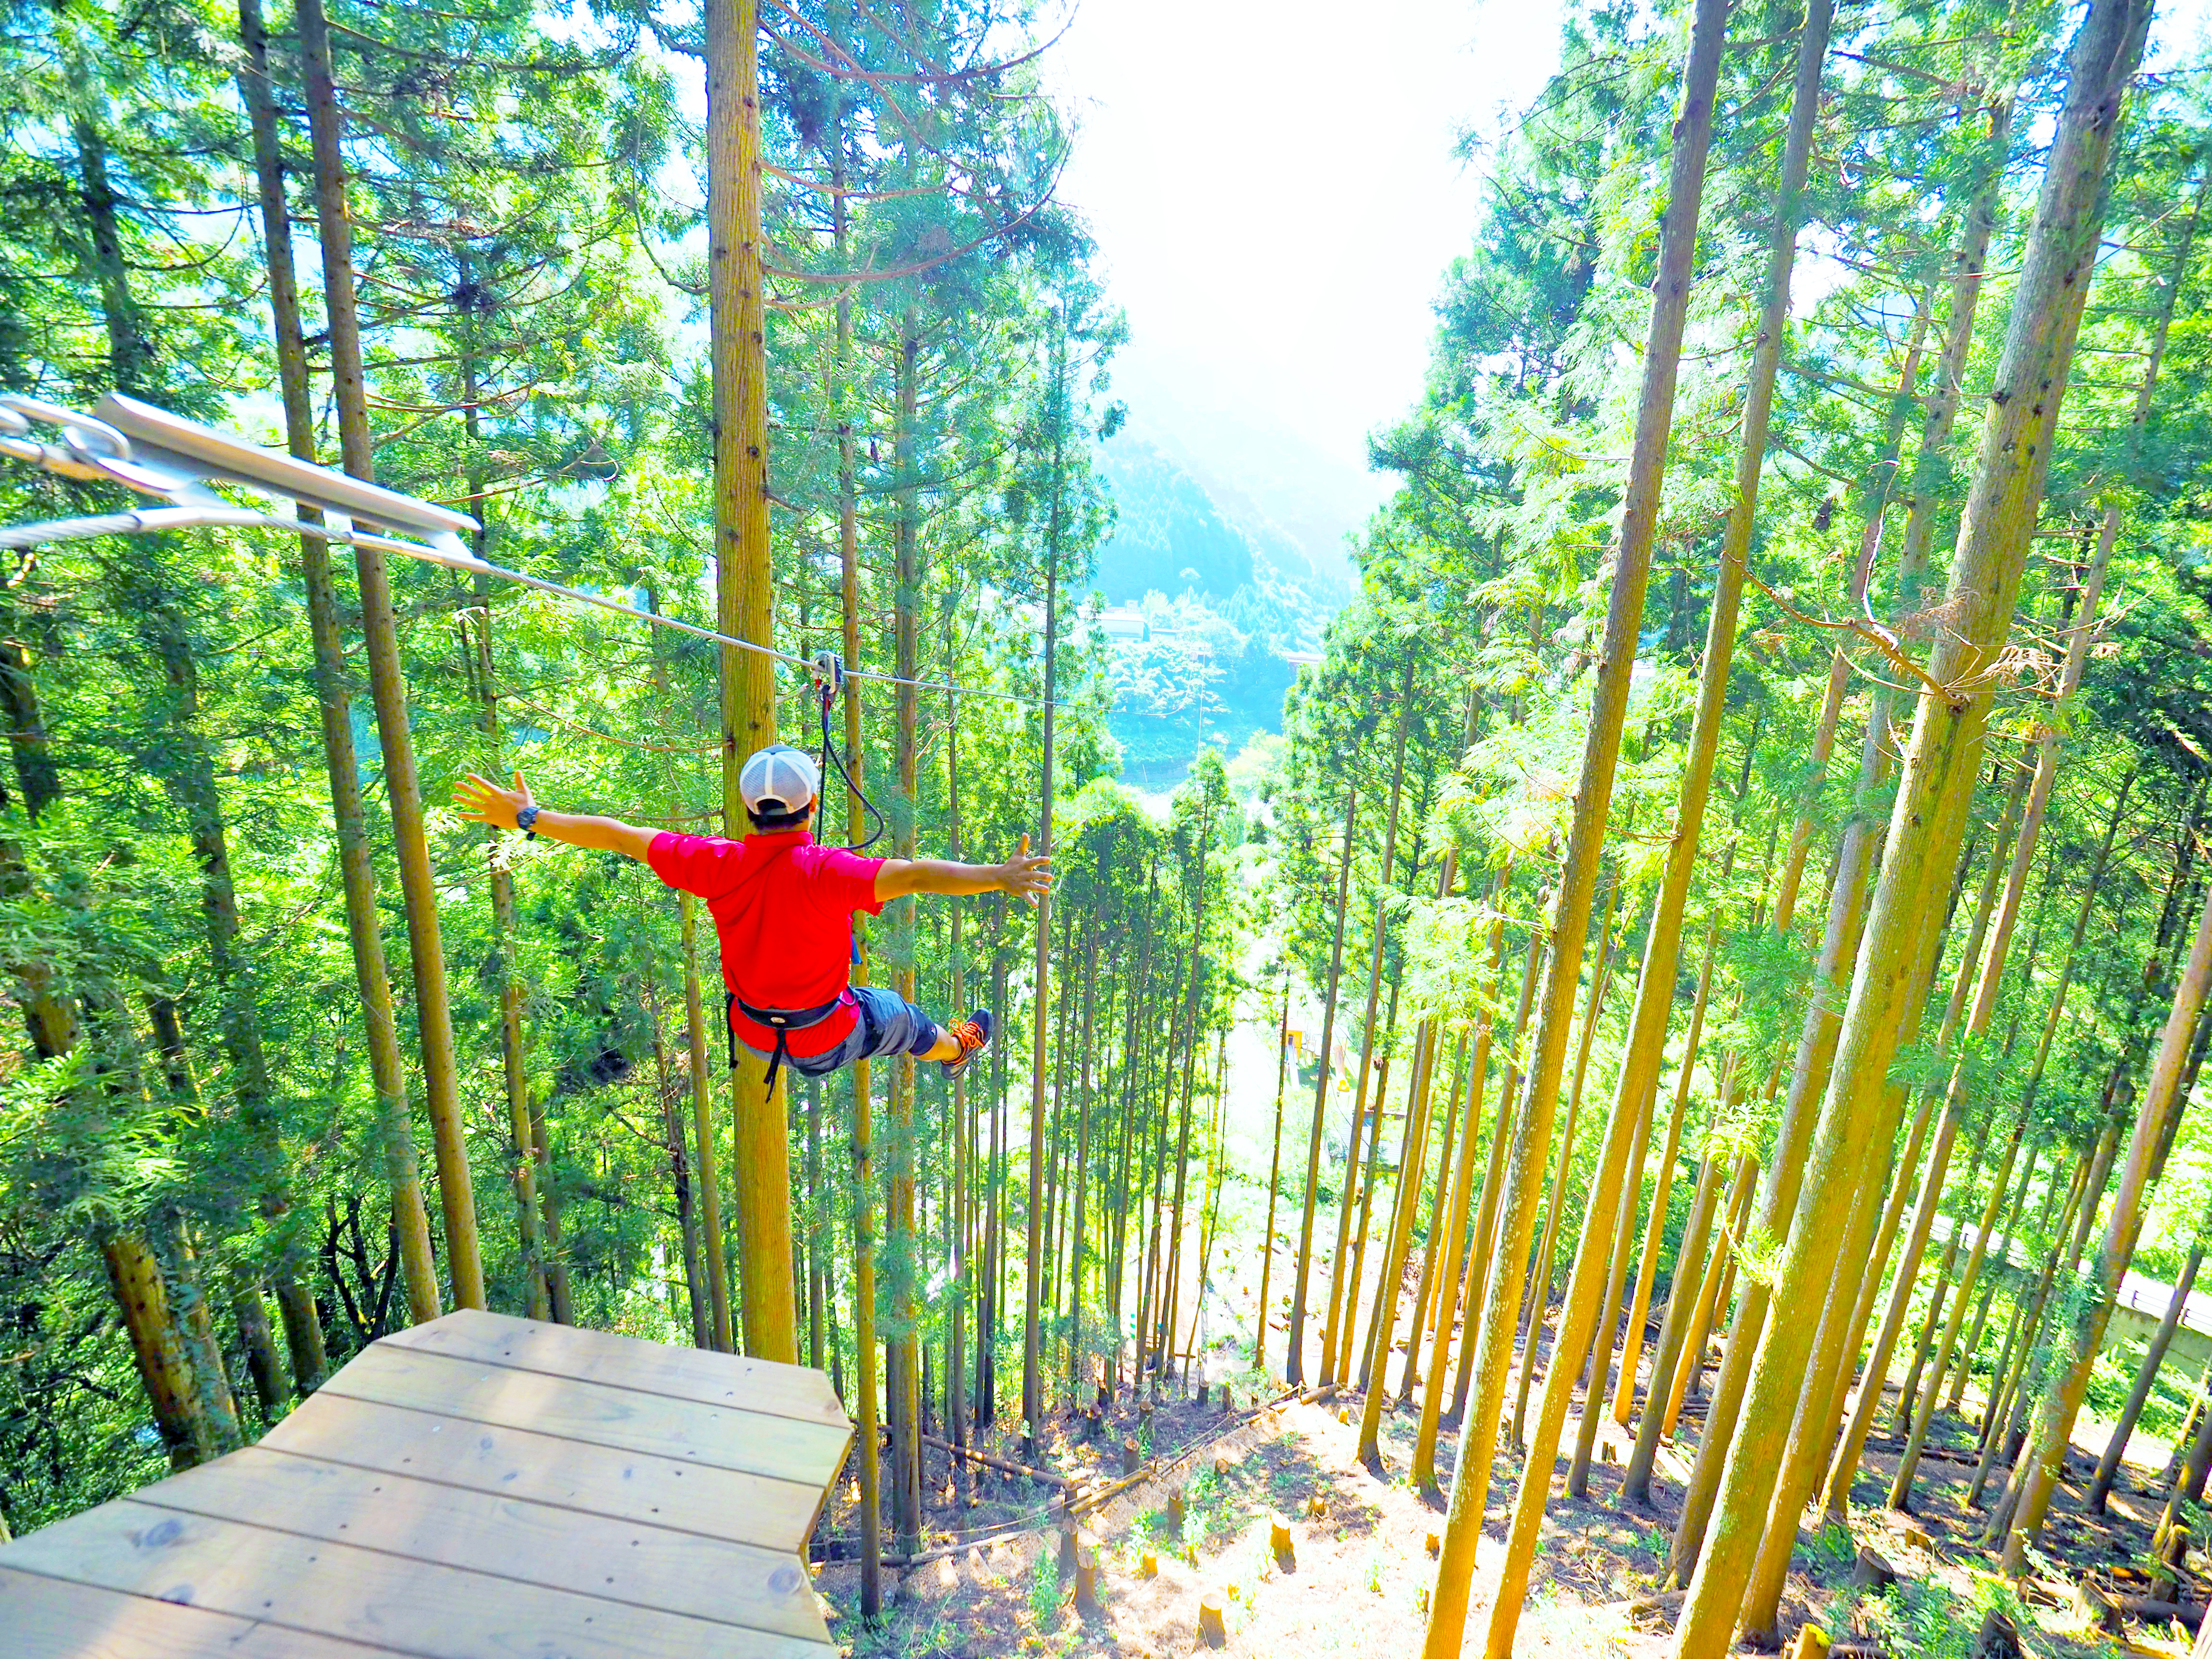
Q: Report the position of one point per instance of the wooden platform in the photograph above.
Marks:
(478, 1487)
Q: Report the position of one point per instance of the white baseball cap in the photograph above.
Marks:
(778, 781)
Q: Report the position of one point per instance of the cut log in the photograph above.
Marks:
(1044, 1476)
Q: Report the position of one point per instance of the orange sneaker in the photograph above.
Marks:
(971, 1034)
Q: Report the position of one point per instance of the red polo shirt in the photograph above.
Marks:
(783, 913)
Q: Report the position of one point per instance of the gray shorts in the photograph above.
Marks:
(885, 1023)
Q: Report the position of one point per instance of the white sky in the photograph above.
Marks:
(1274, 197)
(1272, 186)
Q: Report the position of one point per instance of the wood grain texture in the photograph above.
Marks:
(503, 1535)
(517, 1462)
(596, 1413)
(47, 1617)
(707, 1379)
(410, 1607)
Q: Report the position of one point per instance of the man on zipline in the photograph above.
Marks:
(783, 912)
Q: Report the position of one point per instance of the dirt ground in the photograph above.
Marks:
(1357, 1582)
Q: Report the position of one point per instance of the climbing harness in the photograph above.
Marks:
(781, 1021)
(150, 451)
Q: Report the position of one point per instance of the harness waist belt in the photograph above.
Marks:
(781, 1021)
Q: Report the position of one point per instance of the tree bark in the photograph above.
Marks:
(1586, 842)
(1994, 539)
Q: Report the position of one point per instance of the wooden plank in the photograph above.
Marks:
(53, 1619)
(594, 1414)
(745, 1509)
(706, 1379)
(411, 1607)
(508, 1536)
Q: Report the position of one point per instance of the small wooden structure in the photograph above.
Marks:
(478, 1487)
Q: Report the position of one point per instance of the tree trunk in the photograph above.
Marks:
(1586, 840)
(744, 607)
(356, 865)
(1274, 1184)
(387, 686)
(2108, 1466)
(1294, 1354)
(1339, 1315)
(1859, 1112)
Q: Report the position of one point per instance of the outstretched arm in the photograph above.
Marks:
(1027, 873)
(482, 801)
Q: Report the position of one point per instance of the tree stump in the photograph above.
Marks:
(1202, 1394)
(1872, 1571)
(1148, 1565)
(1210, 1630)
(1222, 1466)
(1086, 1583)
(2098, 1607)
(1070, 1547)
(1811, 1642)
(1344, 1414)
(1177, 1511)
(1434, 1544)
(1278, 1540)
(1316, 1508)
(1996, 1639)
(1132, 1458)
(2171, 1550)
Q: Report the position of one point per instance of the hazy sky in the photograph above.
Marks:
(1273, 192)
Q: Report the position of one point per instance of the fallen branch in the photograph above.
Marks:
(1001, 1464)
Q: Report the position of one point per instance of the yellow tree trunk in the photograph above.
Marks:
(1858, 1114)
(1294, 1356)
(1585, 843)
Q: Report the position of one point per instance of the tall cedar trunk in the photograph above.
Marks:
(1639, 1306)
(1332, 1339)
(1082, 1155)
(744, 607)
(959, 1254)
(1585, 842)
(1655, 994)
(2043, 1456)
(1032, 1365)
(514, 1064)
(902, 1239)
(387, 685)
(1540, 1274)
(1845, 1459)
(1294, 1353)
(1860, 1110)
(1439, 1244)
(188, 772)
(1355, 1268)
(1274, 1185)
(2108, 1466)
(333, 697)
(1460, 1257)
(703, 1128)
(1690, 1266)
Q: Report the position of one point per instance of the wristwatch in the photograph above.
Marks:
(523, 819)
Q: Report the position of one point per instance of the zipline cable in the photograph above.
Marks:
(96, 450)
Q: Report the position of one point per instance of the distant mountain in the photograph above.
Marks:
(1209, 609)
(1168, 537)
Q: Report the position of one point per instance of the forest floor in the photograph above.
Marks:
(1358, 1582)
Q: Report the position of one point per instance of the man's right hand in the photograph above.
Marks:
(1028, 874)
